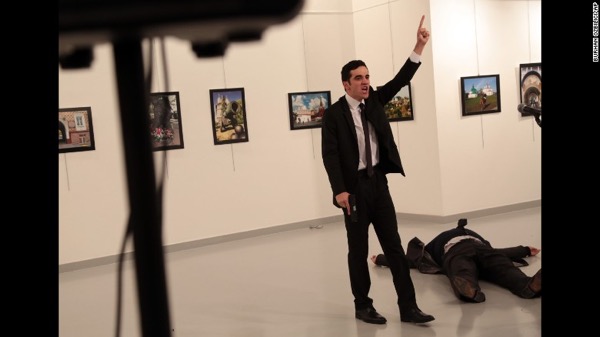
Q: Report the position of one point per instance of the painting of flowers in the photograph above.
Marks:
(165, 121)
(400, 107)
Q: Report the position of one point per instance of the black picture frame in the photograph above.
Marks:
(306, 109)
(400, 108)
(480, 94)
(166, 129)
(228, 113)
(530, 83)
(75, 130)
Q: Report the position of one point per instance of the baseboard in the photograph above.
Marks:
(316, 223)
(253, 233)
(66, 267)
(471, 214)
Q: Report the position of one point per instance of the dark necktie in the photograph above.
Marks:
(363, 118)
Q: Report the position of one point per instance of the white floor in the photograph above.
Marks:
(295, 284)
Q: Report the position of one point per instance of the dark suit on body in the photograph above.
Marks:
(466, 257)
(340, 154)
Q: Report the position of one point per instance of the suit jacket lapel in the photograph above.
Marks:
(348, 117)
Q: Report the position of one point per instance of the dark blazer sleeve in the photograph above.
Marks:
(389, 156)
(417, 256)
(387, 91)
(339, 148)
(516, 254)
(420, 258)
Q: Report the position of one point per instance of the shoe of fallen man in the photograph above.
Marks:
(536, 283)
(370, 315)
(467, 291)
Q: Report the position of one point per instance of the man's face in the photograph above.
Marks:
(358, 84)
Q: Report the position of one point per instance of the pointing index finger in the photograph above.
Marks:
(421, 23)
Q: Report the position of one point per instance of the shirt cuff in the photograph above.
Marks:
(414, 57)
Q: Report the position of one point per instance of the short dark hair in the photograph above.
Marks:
(346, 69)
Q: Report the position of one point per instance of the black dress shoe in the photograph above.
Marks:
(534, 287)
(415, 315)
(536, 282)
(369, 315)
(466, 291)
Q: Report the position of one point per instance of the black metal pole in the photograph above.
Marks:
(141, 183)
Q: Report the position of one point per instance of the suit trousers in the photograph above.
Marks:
(375, 206)
(473, 260)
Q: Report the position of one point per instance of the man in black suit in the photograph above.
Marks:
(352, 172)
(466, 257)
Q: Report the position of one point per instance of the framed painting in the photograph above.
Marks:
(228, 112)
(166, 130)
(307, 109)
(75, 130)
(480, 94)
(530, 75)
(400, 107)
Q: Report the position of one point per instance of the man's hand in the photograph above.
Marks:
(422, 37)
(533, 251)
(342, 200)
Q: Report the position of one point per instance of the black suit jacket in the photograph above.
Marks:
(339, 145)
(420, 258)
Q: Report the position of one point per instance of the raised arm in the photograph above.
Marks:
(422, 37)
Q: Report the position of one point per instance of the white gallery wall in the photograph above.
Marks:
(491, 159)
(453, 164)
